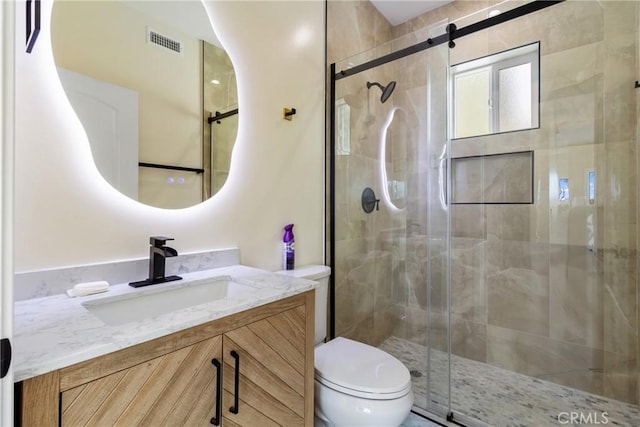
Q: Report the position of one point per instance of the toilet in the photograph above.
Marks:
(355, 384)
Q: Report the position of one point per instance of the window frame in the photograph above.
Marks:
(525, 54)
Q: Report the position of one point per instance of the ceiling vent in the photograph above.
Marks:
(164, 42)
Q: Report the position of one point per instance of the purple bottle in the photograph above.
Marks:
(288, 242)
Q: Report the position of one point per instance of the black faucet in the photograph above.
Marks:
(158, 253)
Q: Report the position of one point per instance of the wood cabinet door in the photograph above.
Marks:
(177, 389)
(271, 377)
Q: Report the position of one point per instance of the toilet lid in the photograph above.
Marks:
(361, 368)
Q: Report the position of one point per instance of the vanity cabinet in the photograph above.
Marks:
(265, 356)
(264, 372)
(175, 389)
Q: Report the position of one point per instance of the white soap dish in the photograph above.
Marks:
(88, 288)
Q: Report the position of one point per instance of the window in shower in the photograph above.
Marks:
(496, 93)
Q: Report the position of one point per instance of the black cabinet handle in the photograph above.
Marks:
(5, 356)
(236, 387)
(216, 420)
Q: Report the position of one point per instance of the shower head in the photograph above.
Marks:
(386, 90)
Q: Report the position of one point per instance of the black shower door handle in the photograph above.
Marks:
(216, 420)
(236, 386)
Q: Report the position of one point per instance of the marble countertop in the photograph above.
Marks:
(57, 331)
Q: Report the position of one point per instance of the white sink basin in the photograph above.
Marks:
(149, 302)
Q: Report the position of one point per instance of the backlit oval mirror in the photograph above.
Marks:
(155, 92)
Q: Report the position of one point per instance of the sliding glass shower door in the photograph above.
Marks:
(544, 287)
(389, 211)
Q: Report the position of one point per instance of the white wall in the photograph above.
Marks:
(66, 214)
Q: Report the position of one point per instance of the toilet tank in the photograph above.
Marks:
(320, 274)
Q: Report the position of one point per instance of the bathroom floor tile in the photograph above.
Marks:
(497, 396)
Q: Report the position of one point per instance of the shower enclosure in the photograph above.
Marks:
(483, 217)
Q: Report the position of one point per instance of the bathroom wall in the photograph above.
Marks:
(67, 215)
(547, 289)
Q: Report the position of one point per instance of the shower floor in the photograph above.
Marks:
(499, 397)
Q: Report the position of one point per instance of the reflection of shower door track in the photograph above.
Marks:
(207, 159)
(219, 116)
(171, 167)
(452, 34)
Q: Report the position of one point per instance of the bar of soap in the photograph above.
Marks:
(88, 288)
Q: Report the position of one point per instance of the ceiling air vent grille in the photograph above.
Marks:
(165, 42)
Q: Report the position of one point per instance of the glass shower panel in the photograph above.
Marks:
(391, 265)
(428, 263)
(544, 315)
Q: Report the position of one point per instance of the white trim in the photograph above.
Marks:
(7, 77)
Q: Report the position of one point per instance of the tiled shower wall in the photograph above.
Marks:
(547, 289)
(363, 307)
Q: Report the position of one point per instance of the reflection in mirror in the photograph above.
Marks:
(164, 61)
(496, 93)
(221, 101)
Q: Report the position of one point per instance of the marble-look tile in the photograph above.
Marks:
(425, 271)
(572, 72)
(620, 377)
(524, 254)
(620, 69)
(620, 306)
(541, 357)
(361, 331)
(559, 28)
(518, 299)
(468, 221)
(468, 283)
(499, 178)
(468, 339)
(354, 26)
(575, 300)
(517, 221)
(41, 283)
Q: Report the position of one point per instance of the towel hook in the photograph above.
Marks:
(288, 113)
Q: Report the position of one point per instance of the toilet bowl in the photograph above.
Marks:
(355, 384)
